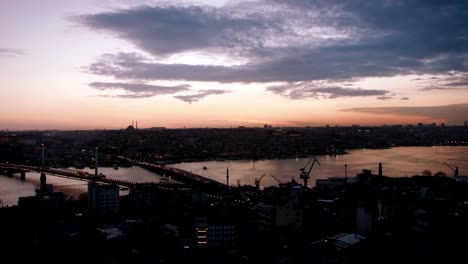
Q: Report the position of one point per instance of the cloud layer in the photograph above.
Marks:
(138, 90)
(200, 95)
(290, 41)
(454, 114)
(8, 52)
(310, 89)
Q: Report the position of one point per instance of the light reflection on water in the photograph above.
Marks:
(12, 188)
(397, 162)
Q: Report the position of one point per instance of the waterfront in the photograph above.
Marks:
(12, 188)
(397, 162)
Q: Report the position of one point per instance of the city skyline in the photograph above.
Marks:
(98, 64)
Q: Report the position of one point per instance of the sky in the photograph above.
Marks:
(98, 64)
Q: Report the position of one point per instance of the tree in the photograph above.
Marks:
(426, 173)
(440, 174)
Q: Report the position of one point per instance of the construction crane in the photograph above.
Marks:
(278, 180)
(305, 174)
(257, 181)
(455, 170)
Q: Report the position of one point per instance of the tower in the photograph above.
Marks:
(346, 171)
(227, 176)
(96, 162)
(42, 155)
(43, 179)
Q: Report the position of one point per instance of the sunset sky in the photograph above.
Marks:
(100, 64)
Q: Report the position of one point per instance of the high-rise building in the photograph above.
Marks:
(103, 198)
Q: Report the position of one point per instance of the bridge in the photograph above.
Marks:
(9, 169)
(179, 175)
(182, 176)
(175, 173)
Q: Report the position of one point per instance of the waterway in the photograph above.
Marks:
(397, 162)
(12, 188)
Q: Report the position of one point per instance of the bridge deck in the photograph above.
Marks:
(66, 173)
(178, 174)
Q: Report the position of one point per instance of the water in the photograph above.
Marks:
(12, 188)
(397, 162)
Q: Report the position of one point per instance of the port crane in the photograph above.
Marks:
(257, 181)
(455, 170)
(278, 180)
(305, 173)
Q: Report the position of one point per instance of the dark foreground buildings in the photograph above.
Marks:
(364, 219)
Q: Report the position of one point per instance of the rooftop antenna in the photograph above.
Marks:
(96, 161)
(227, 176)
(42, 155)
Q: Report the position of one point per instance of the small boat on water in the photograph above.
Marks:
(205, 168)
(115, 166)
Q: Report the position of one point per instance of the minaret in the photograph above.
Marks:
(132, 123)
(136, 125)
(227, 176)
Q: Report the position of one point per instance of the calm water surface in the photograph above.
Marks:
(397, 162)
(12, 188)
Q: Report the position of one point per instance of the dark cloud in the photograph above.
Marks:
(291, 69)
(453, 82)
(200, 95)
(384, 98)
(164, 30)
(404, 98)
(442, 88)
(290, 41)
(138, 90)
(459, 83)
(8, 52)
(319, 90)
(453, 114)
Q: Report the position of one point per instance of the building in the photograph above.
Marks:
(112, 233)
(156, 198)
(286, 210)
(45, 198)
(201, 228)
(221, 235)
(103, 198)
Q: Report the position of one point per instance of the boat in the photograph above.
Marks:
(204, 167)
(115, 166)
